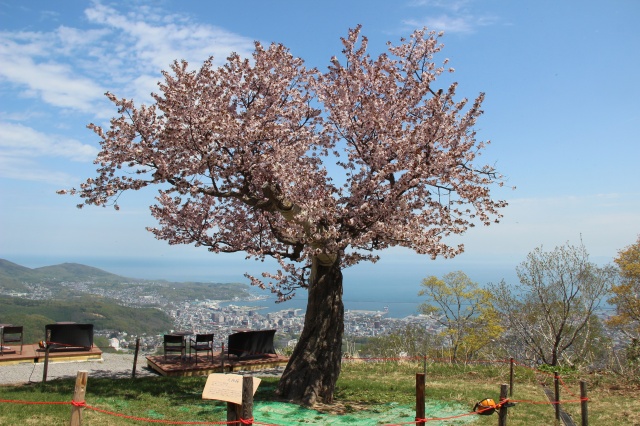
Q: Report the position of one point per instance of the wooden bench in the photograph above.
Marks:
(251, 344)
(69, 336)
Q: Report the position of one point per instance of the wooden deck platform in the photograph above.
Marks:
(176, 366)
(32, 353)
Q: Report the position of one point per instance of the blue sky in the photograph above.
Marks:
(561, 110)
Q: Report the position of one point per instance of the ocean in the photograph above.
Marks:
(392, 283)
(397, 309)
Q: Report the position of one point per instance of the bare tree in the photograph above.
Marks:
(412, 341)
(551, 311)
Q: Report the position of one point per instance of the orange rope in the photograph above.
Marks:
(252, 421)
(15, 401)
(170, 422)
(89, 407)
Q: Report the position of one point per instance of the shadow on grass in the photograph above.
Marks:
(173, 390)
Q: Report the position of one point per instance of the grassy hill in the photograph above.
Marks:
(74, 272)
(104, 314)
(84, 294)
(62, 280)
(14, 277)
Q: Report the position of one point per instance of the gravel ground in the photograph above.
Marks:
(117, 366)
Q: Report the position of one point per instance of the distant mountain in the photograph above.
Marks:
(81, 293)
(12, 269)
(13, 275)
(59, 279)
(75, 271)
(103, 313)
(56, 273)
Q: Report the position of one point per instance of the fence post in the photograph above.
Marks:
(502, 412)
(420, 414)
(222, 357)
(46, 363)
(135, 358)
(511, 377)
(584, 412)
(78, 396)
(247, 400)
(556, 383)
(234, 412)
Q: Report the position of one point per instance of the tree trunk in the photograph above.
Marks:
(314, 366)
(554, 357)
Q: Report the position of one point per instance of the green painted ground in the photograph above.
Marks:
(283, 414)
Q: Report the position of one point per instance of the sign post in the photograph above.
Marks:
(229, 388)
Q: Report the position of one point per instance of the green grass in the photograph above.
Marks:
(364, 389)
(454, 385)
(177, 399)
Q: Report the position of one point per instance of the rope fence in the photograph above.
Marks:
(83, 404)
(242, 417)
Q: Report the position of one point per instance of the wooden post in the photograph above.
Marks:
(234, 412)
(502, 412)
(510, 377)
(556, 383)
(420, 414)
(247, 400)
(242, 412)
(78, 396)
(46, 363)
(222, 357)
(135, 358)
(584, 412)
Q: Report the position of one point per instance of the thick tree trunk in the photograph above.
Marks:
(314, 366)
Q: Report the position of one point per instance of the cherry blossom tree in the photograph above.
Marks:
(317, 170)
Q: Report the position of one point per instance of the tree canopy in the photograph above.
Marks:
(464, 310)
(550, 313)
(319, 170)
(234, 148)
(626, 294)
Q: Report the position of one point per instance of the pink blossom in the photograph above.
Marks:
(273, 159)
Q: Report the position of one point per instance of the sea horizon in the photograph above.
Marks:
(367, 287)
(391, 309)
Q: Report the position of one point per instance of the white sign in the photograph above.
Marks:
(226, 387)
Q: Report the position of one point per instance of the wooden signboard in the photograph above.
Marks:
(226, 387)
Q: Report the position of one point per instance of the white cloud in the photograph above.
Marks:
(26, 169)
(27, 154)
(456, 16)
(63, 74)
(57, 83)
(157, 40)
(446, 23)
(18, 141)
(73, 67)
